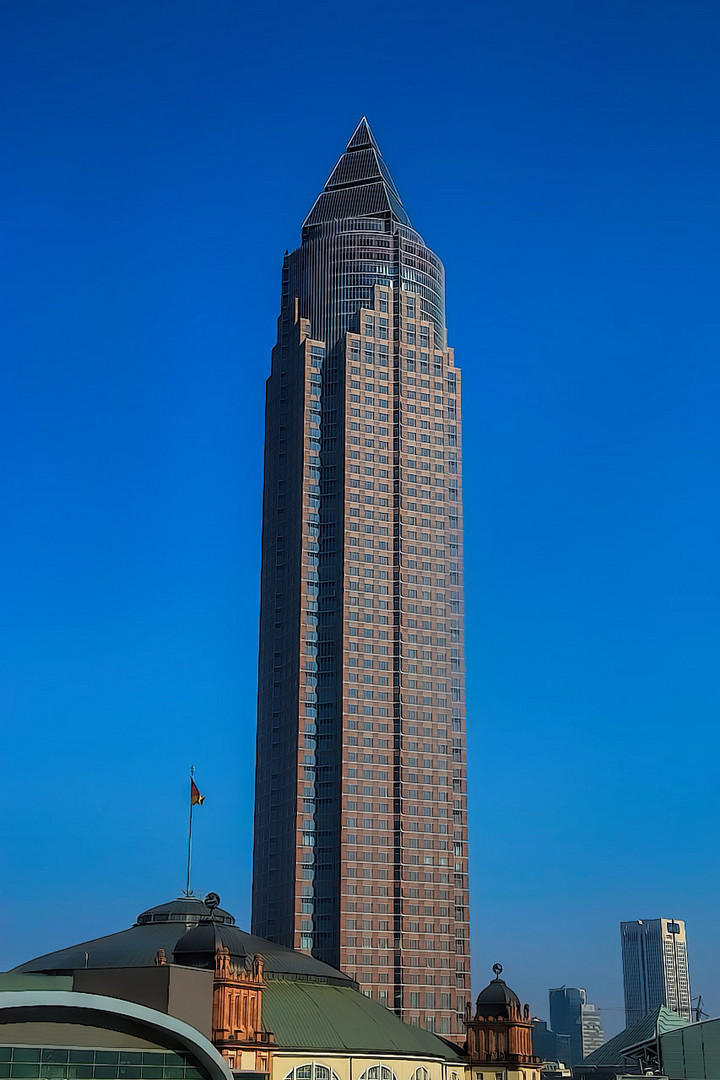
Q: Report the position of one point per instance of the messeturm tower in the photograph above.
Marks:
(360, 853)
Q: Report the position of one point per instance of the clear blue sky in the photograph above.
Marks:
(563, 159)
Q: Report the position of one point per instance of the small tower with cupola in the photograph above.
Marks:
(238, 985)
(499, 1035)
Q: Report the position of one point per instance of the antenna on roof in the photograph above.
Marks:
(698, 1009)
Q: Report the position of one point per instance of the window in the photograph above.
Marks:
(36, 1061)
(420, 1074)
(311, 1071)
(378, 1072)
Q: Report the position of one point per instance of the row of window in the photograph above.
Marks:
(62, 1055)
(314, 1071)
(56, 1063)
(42, 1071)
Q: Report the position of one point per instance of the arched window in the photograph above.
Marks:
(420, 1073)
(378, 1072)
(311, 1071)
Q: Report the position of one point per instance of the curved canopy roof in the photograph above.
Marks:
(67, 1007)
(138, 946)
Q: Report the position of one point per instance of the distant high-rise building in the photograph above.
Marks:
(544, 1041)
(593, 1033)
(573, 1017)
(360, 844)
(655, 968)
(547, 1045)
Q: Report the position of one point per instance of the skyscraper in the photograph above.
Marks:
(593, 1033)
(572, 1017)
(655, 967)
(360, 846)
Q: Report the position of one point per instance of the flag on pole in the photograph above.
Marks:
(196, 799)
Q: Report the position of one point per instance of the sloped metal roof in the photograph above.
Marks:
(307, 1004)
(646, 1030)
(184, 909)
(313, 1016)
(138, 946)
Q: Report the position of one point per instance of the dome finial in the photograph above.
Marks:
(497, 968)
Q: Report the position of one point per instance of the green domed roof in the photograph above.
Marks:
(325, 1018)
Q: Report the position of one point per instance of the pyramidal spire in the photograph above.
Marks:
(359, 186)
(362, 137)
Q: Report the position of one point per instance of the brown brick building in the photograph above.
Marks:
(360, 853)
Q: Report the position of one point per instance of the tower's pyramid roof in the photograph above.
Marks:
(360, 185)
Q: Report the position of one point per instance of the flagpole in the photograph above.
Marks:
(187, 884)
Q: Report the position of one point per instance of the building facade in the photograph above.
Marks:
(593, 1033)
(360, 837)
(575, 1020)
(233, 1005)
(655, 968)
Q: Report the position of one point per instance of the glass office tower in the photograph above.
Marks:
(655, 968)
(360, 851)
(574, 1019)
